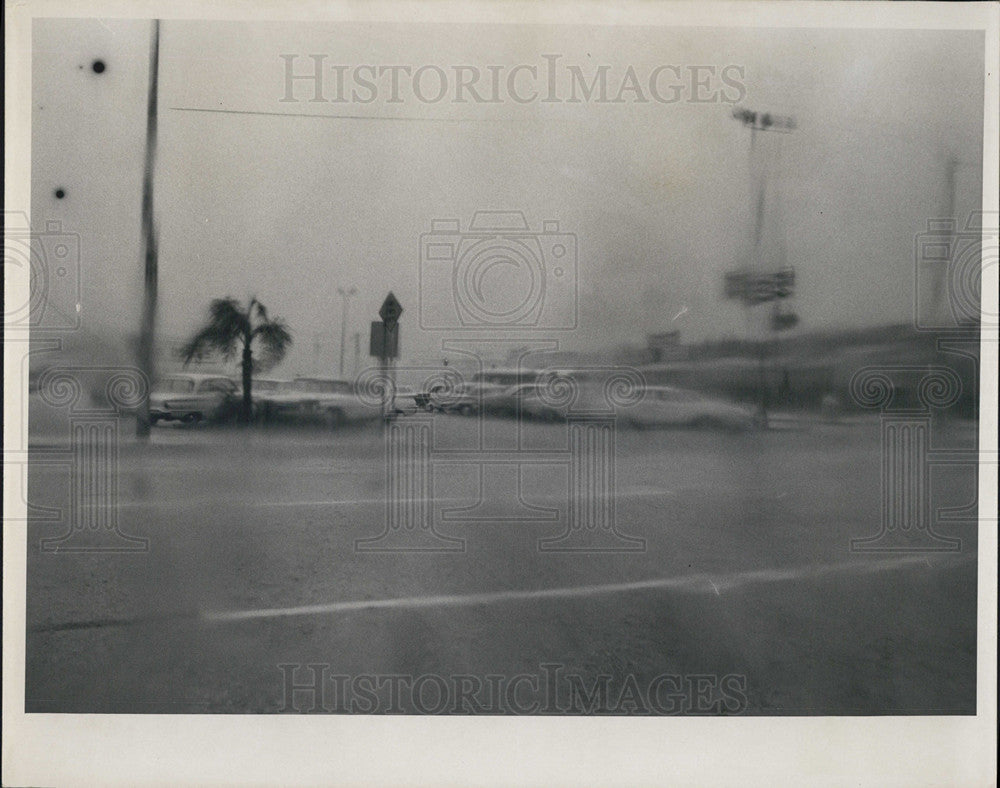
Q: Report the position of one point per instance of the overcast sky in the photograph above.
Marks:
(260, 200)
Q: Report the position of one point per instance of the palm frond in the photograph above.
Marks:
(229, 318)
(274, 338)
(260, 309)
(196, 347)
(231, 328)
(227, 325)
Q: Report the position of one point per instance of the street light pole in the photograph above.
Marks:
(147, 329)
(760, 121)
(345, 295)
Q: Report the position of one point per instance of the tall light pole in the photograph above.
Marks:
(760, 121)
(939, 293)
(317, 347)
(345, 295)
(151, 267)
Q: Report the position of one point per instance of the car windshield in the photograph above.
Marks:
(270, 386)
(503, 378)
(216, 384)
(176, 385)
(324, 386)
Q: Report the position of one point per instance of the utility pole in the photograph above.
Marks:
(147, 331)
(939, 284)
(357, 352)
(760, 121)
(317, 349)
(345, 295)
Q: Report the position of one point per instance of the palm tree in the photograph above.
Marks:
(231, 328)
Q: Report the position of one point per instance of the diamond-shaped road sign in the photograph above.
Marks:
(391, 310)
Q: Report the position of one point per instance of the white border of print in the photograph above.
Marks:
(65, 749)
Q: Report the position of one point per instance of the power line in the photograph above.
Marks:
(346, 117)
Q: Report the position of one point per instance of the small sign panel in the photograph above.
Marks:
(759, 288)
(384, 342)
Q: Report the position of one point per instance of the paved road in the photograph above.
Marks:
(745, 596)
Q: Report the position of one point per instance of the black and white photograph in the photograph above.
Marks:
(597, 368)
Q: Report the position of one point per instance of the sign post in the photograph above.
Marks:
(384, 344)
(757, 286)
(754, 287)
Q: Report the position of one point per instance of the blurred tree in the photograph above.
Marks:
(231, 328)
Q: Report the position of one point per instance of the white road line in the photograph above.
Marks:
(698, 583)
(207, 502)
(203, 502)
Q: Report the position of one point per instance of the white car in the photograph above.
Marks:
(469, 398)
(523, 401)
(407, 400)
(191, 398)
(667, 406)
(331, 401)
(275, 399)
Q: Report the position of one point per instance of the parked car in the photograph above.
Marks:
(470, 397)
(332, 401)
(667, 406)
(465, 401)
(192, 398)
(275, 400)
(441, 398)
(520, 401)
(407, 401)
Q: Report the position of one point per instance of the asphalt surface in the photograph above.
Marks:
(739, 593)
